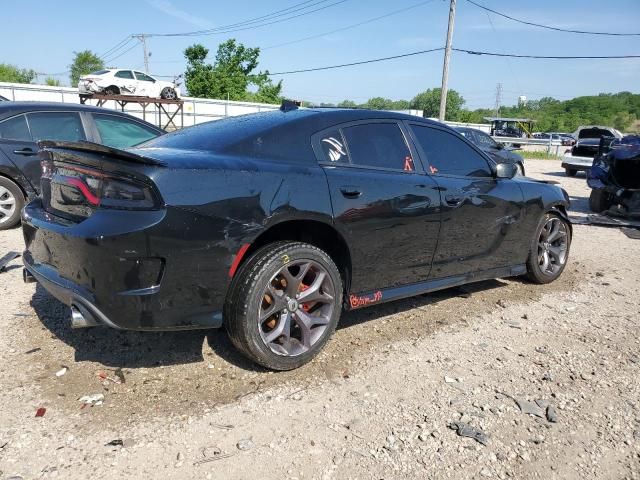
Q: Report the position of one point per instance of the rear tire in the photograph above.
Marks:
(549, 250)
(11, 203)
(599, 201)
(262, 315)
(570, 172)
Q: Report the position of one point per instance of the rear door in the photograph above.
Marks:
(126, 82)
(480, 213)
(384, 205)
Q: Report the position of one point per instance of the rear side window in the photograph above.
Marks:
(449, 155)
(333, 148)
(15, 129)
(121, 132)
(65, 126)
(124, 74)
(380, 145)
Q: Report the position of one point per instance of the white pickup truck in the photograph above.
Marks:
(585, 150)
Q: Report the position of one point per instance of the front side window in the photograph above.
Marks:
(144, 77)
(125, 74)
(333, 148)
(15, 129)
(65, 126)
(448, 154)
(380, 145)
(119, 132)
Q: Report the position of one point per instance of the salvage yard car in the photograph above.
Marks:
(614, 178)
(271, 223)
(114, 81)
(23, 124)
(580, 157)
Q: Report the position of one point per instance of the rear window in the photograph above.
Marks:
(379, 145)
(15, 129)
(99, 72)
(56, 126)
(594, 133)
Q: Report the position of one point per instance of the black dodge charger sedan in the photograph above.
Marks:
(271, 224)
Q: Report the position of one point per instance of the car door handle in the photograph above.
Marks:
(350, 191)
(25, 151)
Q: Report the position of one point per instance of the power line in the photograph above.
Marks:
(249, 24)
(358, 63)
(342, 29)
(122, 53)
(470, 52)
(549, 27)
(117, 46)
(548, 57)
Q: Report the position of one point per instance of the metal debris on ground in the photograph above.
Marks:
(96, 399)
(33, 350)
(4, 261)
(62, 371)
(466, 430)
(40, 412)
(552, 416)
(245, 444)
(221, 427)
(115, 443)
(211, 454)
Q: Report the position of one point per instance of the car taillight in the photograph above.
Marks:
(77, 191)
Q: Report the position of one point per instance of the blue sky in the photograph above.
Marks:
(56, 31)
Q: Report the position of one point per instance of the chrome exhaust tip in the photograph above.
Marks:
(27, 276)
(81, 318)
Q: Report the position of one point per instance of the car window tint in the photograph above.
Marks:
(378, 145)
(99, 72)
(143, 77)
(15, 129)
(448, 154)
(484, 140)
(124, 74)
(56, 126)
(119, 132)
(333, 148)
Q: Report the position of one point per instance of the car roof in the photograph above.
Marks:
(9, 109)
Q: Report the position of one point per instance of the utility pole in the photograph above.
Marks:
(498, 100)
(445, 66)
(143, 38)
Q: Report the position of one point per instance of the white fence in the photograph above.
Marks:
(196, 110)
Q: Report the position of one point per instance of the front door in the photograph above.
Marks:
(384, 205)
(481, 214)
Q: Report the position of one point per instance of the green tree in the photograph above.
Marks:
(52, 82)
(84, 62)
(13, 74)
(347, 104)
(429, 102)
(231, 74)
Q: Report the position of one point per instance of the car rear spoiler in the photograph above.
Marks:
(96, 148)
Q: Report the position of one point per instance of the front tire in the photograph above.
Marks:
(284, 305)
(11, 203)
(549, 249)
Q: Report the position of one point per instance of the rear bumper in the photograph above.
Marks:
(577, 163)
(119, 267)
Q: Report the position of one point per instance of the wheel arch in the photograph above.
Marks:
(26, 194)
(314, 232)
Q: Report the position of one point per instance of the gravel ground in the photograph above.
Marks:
(377, 403)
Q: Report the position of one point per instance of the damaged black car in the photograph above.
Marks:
(614, 177)
(271, 224)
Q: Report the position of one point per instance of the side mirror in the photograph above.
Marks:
(506, 170)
